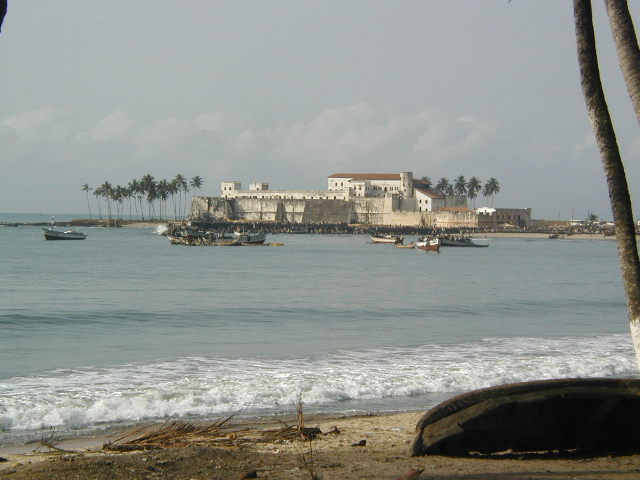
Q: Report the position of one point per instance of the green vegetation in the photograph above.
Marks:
(471, 188)
(156, 194)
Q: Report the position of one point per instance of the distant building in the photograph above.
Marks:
(261, 190)
(369, 198)
(518, 217)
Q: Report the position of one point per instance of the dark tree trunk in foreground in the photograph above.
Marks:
(624, 36)
(612, 162)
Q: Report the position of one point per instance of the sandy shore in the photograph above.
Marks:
(575, 236)
(374, 447)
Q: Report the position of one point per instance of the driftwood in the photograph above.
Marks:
(171, 433)
(597, 414)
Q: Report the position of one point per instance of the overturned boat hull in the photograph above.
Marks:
(595, 414)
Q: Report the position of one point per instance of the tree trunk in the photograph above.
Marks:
(612, 162)
(624, 36)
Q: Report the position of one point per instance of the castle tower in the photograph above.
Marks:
(406, 184)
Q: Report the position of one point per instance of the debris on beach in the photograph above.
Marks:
(172, 433)
(180, 433)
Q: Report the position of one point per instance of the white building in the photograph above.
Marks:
(399, 189)
(372, 184)
(428, 200)
(233, 189)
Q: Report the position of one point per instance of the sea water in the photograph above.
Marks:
(124, 327)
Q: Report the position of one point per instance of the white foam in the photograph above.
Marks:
(215, 386)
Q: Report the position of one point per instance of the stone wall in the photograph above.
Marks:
(273, 209)
(368, 211)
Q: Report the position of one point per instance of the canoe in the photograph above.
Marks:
(561, 415)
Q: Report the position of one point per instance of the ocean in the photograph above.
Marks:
(124, 327)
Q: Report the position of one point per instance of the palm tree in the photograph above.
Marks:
(473, 187)
(612, 162)
(442, 186)
(140, 197)
(174, 190)
(106, 190)
(163, 194)
(147, 186)
(460, 185)
(86, 189)
(152, 196)
(185, 189)
(132, 191)
(624, 37)
(119, 195)
(491, 188)
(196, 183)
(426, 179)
(181, 183)
(97, 192)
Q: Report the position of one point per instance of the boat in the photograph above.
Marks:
(428, 243)
(459, 241)
(250, 238)
(563, 416)
(175, 240)
(386, 238)
(51, 234)
(402, 245)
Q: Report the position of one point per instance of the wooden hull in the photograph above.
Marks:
(386, 239)
(400, 245)
(579, 414)
(432, 244)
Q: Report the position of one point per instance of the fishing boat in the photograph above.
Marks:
(402, 245)
(175, 240)
(51, 234)
(459, 241)
(426, 243)
(386, 238)
(250, 238)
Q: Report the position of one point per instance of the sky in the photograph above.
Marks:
(290, 91)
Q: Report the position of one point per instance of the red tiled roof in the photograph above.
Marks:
(367, 176)
(429, 193)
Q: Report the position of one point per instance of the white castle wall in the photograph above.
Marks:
(369, 211)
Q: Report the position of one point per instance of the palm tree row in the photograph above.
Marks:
(470, 188)
(155, 193)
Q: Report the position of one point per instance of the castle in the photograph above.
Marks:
(367, 198)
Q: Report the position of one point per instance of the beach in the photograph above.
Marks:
(126, 329)
(350, 447)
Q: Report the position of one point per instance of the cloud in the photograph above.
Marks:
(445, 139)
(219, 123)
(117, 125)
(222, 146)
(164, 137)
(42, 125)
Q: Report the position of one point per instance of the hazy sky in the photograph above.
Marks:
(290, 91)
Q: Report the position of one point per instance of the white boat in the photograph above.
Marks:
(51, 234)
(385, 238)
